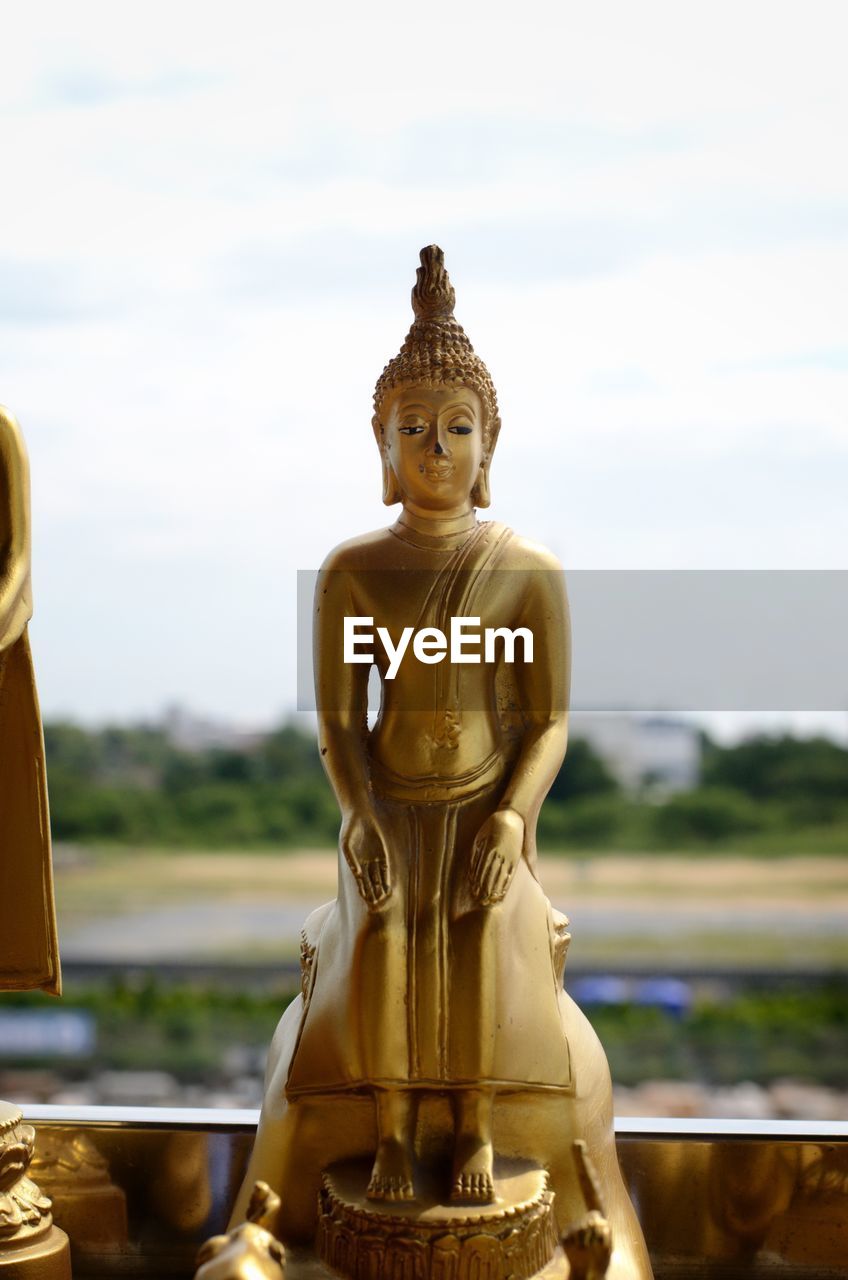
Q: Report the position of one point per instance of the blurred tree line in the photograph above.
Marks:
(189, 1029)
(133, 785)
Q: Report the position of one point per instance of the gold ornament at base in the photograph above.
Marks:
(31, 1247)
(250, 1251)
(514, 1236)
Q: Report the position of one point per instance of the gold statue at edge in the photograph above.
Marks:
(31, 1247)
(29, 953)
(433, 1032)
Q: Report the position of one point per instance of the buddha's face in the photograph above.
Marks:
(433, 439)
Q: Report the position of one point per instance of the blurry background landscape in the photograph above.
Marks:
(707, 887)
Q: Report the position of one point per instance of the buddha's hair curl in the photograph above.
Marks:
(437, 351)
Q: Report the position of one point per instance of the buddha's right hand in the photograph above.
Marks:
(364, 849)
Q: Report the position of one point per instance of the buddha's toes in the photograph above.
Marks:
(472, 1171)
(473, 1188)
(387, 1187)
(391, 1177)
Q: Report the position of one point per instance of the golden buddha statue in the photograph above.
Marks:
(432, 1036)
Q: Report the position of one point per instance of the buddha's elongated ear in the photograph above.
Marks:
(481, 495)
(391, 488)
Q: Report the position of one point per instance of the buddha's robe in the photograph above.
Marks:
(432, 990)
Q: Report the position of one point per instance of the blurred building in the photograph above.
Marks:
(190, 732)
(659, 752)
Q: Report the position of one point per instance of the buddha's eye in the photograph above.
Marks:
(414, 429)
(461, 429)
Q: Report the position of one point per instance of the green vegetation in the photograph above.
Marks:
(761, 1037)
(189, 1029)
(133, 786)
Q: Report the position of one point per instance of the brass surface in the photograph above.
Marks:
(695, 1218)
(433, 1035)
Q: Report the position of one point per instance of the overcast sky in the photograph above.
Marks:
(210, 228)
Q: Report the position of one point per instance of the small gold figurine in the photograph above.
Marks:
(587, 1243)
(30, 1245)
(431, 1079)
(250, 1252)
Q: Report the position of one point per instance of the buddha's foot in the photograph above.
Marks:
(472, 1171)
(391, 1177)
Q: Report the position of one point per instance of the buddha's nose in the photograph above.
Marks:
(438, 448)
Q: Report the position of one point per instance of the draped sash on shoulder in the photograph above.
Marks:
(455, 589)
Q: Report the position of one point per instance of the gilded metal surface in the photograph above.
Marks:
(432, 1032)
(674, 1171)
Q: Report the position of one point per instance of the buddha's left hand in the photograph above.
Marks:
(496, 853)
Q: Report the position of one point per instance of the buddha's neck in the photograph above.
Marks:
(436, 525)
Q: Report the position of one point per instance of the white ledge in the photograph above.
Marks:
(660, 1127)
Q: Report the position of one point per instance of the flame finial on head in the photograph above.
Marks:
(433, 296)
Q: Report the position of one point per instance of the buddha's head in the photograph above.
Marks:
(435, 408)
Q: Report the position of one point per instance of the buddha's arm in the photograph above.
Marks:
(509, 833)
(543, 692)
(341, 691)
(342, 698)
(15, 601)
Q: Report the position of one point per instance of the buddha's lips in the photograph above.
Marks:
(439, 471)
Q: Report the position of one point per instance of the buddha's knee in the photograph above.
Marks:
(385, 927)
(390, 913)
(478, 926)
